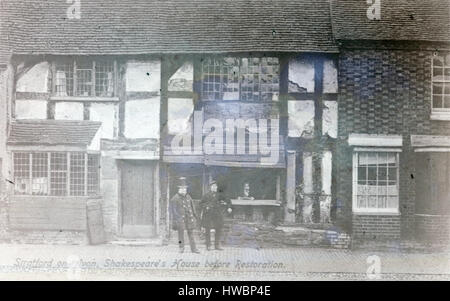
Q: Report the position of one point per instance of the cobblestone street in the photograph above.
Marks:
(116, 262)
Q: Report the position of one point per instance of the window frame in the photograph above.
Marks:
(438, 113)
(68, 184)
(355, 167)
(93, 82)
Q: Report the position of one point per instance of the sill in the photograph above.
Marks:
(432, 215)
(52, 196)
(242, 202)
(440, 115)
(387, 213)
(84, 98)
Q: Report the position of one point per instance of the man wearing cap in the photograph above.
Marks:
(183, 216)
(213, 205)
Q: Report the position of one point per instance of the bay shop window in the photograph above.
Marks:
(84, 78)
(56, 173)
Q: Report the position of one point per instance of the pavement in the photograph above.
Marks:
(119, 262)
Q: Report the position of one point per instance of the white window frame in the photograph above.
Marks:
(386, 211)
(438, 113)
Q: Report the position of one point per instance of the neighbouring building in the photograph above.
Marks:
(394, 119)
(111, 102)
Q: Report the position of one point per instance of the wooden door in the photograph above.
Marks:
(138, 198)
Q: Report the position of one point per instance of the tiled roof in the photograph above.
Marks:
(169, 26)
(414, 20)
(52, 132)
(4, 45)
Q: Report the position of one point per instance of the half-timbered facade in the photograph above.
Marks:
(109, 103)
(116, 113)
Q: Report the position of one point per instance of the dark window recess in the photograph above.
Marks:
(432, 183)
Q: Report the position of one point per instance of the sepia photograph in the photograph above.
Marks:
(225, 140)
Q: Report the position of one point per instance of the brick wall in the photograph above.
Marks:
(433, 228)
(376, 227)
(383, 92)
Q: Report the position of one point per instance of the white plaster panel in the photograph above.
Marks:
(107, 115)
(183, 78)
(31, 109)
(35, 79)
(180, 111)
(326, 166)
(301, 118)
(330, 118)
(69, 111)
(301, 76)
(143, 76)
(330, 74)
(142, 118)
(95, 143)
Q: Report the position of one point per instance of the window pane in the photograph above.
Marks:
(84, 78)
(372, 175)
(382, 173)
(392, 202)
(392, 175)
(40, 174)
(372, 201)
(437, 101)
(77, 174)
(21, 173)
(447, 101)
(438, 74)
(438, 88)
(362, 174)
(58, 174)
(447, 74)
(438, 60)
(382, 202)
(64, 79)
(447, 60)
(104, 79)
(362, 201)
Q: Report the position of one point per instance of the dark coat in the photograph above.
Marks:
(213, 207)
(182, 212)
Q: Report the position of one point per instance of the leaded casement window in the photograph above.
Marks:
(56, 173)
(441, 82)
(375, 182)
(84, 78)
(245, 79)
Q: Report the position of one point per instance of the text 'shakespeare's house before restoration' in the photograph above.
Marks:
(309, 123)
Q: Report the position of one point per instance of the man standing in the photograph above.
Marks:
(213, 205)
(183, 216)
